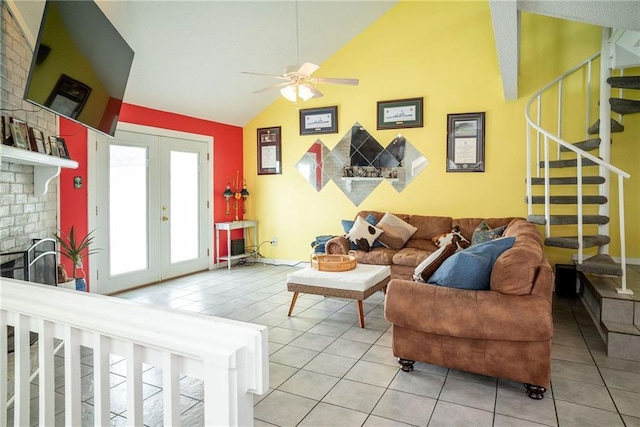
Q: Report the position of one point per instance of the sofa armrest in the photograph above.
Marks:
(468, 313)
(338, 245)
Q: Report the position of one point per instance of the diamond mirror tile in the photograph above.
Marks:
(359, 163)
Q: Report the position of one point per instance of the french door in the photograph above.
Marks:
(152, 209)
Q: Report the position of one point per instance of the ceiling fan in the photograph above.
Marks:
(299, 83)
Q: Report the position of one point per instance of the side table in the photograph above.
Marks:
(234, 225)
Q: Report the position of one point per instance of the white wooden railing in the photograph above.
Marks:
(230, 357)
(539, 132)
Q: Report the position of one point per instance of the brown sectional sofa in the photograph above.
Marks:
(503, 332)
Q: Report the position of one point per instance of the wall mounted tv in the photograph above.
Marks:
(80, 65)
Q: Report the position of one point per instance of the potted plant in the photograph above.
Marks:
(76, 248)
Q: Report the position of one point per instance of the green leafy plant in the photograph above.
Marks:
(75, 248)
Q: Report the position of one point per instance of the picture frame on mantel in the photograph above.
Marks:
(319, 120)
(465, 142)
(270, 151)
(400, 113)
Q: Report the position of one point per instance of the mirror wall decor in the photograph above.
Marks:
(359, 163)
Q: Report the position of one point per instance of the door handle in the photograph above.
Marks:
(165, 218)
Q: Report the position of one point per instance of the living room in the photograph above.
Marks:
(439, 51)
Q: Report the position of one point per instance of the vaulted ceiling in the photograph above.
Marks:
(190, 54)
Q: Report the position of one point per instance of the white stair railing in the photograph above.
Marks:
(230, 357)
(537, 131)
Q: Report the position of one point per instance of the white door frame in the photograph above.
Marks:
(92, 190)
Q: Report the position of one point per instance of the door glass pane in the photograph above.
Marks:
(128, 225)
(184, 206)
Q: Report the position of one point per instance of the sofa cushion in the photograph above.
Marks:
(396, 231)
(484, 233)
(515, 271)
(379, 256)
(363, 234)
(425, 245)
(426, 268)
(410, 257)
(471, 268)
(430, 226)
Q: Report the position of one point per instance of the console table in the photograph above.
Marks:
(234, 225)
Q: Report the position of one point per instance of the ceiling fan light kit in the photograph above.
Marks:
(299, 82)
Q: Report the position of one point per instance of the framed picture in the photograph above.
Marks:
(20, 134)
(400, 113)
(319, 120)
(47, 146)
(53, 142)
(68, 96)
(36, 137)
(62, 147)
(269, 151)
(465, 142)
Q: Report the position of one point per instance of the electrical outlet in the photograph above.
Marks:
(274, 241)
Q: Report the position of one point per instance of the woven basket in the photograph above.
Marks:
(334, 262)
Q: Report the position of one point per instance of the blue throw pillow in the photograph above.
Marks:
(471, 268)
(347, 225)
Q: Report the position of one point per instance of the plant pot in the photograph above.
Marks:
(81, 284)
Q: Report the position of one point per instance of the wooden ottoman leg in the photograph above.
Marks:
(360, 313)
(293, 303)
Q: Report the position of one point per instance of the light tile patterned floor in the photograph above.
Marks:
(325, 370)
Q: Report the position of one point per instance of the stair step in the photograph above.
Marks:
(568, 219)
(616, 127)
(625, 82)
(570, 180)
(624, 106)
(568, 200)
(571, 242)
(569, 163)
(587, 145)
(600, 264)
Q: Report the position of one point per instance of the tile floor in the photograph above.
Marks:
(325, 370)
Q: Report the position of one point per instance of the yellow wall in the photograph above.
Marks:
(446, 53)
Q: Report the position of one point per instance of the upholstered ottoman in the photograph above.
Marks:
(358, 284)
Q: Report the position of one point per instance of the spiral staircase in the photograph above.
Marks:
(570, 181)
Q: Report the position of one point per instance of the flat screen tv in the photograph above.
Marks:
(80, 65)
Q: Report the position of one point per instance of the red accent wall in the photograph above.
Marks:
(227, 158)
(73, 202)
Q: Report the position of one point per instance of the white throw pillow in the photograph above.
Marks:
(363, 234)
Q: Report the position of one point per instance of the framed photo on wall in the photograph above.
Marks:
(319, 120)
(400, 113)
(269, 151)
(465, 142)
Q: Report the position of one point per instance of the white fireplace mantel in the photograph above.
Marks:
(45, 167)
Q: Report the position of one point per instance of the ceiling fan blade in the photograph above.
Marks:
(275, 86)
(266, 75)
(316, 93)
(308, 68)
(335, 81)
